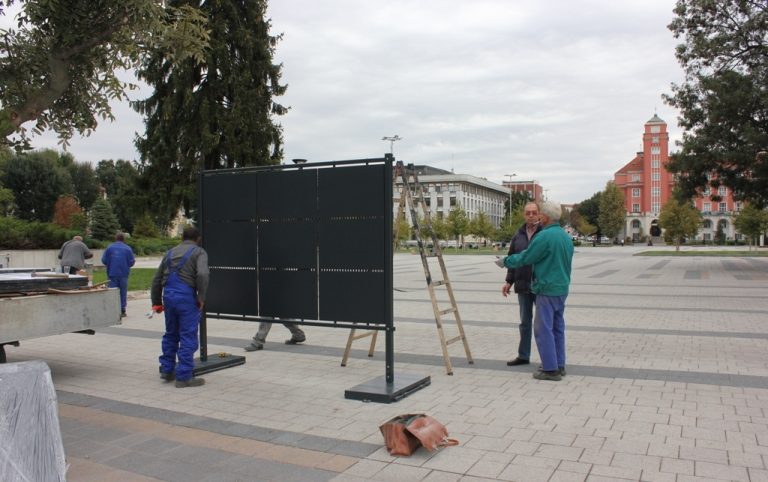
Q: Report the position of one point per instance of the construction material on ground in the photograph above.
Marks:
(35, 316)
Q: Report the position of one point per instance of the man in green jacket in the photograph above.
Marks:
(550, 253)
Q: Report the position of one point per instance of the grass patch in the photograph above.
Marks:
(140, 279)
(720, 254)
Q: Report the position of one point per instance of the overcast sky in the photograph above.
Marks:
(556, 91)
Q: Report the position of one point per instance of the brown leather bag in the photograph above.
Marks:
(405, 433)
(431, 433)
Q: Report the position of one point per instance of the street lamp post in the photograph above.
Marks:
(392, 140)
(509, 210)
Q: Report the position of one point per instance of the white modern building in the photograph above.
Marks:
(444, 190)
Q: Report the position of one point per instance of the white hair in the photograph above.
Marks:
(552, 210)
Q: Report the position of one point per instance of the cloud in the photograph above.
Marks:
(557, 91)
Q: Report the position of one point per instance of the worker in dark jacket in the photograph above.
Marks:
(521, 278)
(118, 259)
(179, 289)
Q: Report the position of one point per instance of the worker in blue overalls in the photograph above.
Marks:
(179, 288)
(118, 259)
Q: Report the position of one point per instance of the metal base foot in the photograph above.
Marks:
(217, 361)
(379, 391)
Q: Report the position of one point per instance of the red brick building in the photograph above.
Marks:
(647, 185)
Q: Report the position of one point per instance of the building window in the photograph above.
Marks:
(635, 177)
(707, 224)
(636, 223)
(707, 207)
(655, 163)
(453, 201)
(655, 191)
(706, 192)
(438, 188)
(654, 130)
(655, 176)
(737, 206)
(722, 190)
(655, 150)
(722, 207)
(655, 207)
(707, 236)
(635, 192)
(635, 208)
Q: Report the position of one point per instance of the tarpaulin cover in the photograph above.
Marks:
(30, 436)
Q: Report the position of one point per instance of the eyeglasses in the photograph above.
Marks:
(532, 213)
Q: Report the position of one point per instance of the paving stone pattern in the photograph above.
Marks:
(667, 380)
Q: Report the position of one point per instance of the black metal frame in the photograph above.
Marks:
(262, 238)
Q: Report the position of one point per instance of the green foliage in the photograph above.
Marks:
(149, 246)
(59, 67)
(612, 211)
(402, 230)
(589, 210)
(440, 227)
(145, 227)
(85, 185)
(129, 197)
(215, 114)
(679, 220)
(20, 234)
(458, 223)
(104, 223)
(36, 181)
(752, 222)
(7, 202)
(724, 97)
(481, 226)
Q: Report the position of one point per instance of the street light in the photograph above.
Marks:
(509, 210)
(392, 140)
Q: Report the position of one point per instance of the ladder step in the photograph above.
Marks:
(441, 282)
(449, 310)
(453, 340)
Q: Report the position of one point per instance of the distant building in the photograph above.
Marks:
(647, 185)
(532, 188)
(444, 190)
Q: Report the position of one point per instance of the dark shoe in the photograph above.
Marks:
(518, 361)
(123, 315)
(192, 382)
(553, 376)
(295, 341)
(561, 370)
(168, 377)
(253, 347)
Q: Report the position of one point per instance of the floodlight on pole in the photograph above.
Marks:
(392, 140)
(509, 211)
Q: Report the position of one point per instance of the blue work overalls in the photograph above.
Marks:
(181, 321)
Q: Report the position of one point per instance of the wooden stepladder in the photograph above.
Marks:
(412, 198)
(413, 193)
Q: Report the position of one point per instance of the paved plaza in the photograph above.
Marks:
(667, 379)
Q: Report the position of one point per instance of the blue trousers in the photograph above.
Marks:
(549, 330)
(182, 319)
(526, 302)
(121, 283)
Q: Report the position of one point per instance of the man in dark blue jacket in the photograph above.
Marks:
(118, 258)
(520, 278)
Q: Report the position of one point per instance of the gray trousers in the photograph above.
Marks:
(261, 335)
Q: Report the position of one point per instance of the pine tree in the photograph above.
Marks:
(103, 220)
(216, 114)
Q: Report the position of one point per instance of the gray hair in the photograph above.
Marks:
(552, 210)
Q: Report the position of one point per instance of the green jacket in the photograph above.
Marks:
(550, 253)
